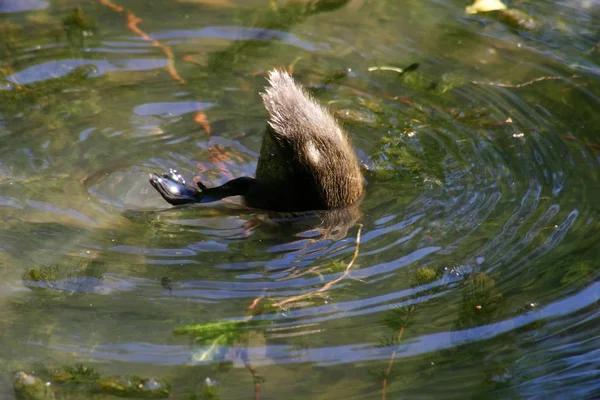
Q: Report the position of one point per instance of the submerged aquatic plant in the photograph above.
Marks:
(221, 332)
(30, 387)
(398, 319)
(77, 374)
(133, 386)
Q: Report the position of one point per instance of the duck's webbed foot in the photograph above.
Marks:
(174, 190)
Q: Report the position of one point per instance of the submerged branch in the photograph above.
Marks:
(520, 85)
(132, 25)
(388, 371)
(111, 5)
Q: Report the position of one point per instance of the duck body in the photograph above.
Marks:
(306, 160)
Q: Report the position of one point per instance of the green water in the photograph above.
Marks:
(476, 273)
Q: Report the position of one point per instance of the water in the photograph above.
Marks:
(476, 269)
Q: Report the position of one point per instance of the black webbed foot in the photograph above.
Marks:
(174, 190)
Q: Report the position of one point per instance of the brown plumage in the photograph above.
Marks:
(306, 160)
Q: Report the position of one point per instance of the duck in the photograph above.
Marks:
(306, 161)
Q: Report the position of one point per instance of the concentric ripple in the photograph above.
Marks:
(468, 270)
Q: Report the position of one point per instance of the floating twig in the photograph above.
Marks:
(386, 68)
(400, 71)
(328, 285)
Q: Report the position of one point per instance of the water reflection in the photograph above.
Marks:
(177, 355)
(56, 69)
(15, 6)
(474, 273)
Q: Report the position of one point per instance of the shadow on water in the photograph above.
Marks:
(469, 269)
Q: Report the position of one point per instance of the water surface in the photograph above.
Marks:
(469, 270)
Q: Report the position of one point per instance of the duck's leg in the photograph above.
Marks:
(175, 191)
